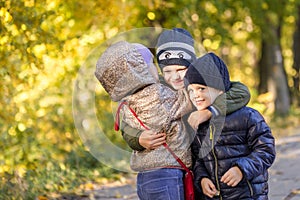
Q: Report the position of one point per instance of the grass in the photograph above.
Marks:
(54, 180)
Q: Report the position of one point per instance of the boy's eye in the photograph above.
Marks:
(201, 88)
(181, 70)
(165, 72)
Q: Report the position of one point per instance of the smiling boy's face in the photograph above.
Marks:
(202, 96)
(174, 74)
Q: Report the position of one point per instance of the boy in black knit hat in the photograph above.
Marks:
(241, 148)
(174, 53)
(175, 47)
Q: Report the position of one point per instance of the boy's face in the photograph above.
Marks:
(202, 96)
(174, 74)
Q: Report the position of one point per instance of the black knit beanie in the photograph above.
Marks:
(175, 47)
(208, 70)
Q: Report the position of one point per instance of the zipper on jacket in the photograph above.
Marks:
(211, 135)
(250, 188)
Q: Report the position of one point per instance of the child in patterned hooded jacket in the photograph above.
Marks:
(125, 72)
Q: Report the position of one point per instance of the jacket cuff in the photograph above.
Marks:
(137, 143)
(214, 111)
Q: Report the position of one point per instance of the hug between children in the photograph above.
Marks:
(194, 105)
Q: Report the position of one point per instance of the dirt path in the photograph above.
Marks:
(284, 174)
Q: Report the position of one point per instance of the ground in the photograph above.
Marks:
(284, 180)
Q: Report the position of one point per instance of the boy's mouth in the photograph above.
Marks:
(199, 100)
(177, 83)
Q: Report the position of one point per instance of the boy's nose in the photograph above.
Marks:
(197, 94)
(175, 75)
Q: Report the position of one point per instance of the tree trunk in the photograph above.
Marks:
(296, 66)
(273, 78)
(264, 69)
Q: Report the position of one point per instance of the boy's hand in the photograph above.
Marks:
(208, 188)
(151, 140)
(232, 177)
(198, 117)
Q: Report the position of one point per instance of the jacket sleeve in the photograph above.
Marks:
(199, 173)
(235, 98)
(199, 169)
(131, 136)
(181, 106)
(262, 147)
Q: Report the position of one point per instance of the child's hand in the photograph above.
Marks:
(198, 117)
(151, 140)
(209, 188)
(232, 177)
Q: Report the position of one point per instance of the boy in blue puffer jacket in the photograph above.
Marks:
(232, 154)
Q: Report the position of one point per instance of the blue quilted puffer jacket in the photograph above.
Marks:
(240, 139)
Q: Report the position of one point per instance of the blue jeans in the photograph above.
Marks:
(160, 184)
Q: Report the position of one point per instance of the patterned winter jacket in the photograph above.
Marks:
(240, 139)
(125, 76)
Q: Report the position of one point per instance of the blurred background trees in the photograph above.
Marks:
(43, 43)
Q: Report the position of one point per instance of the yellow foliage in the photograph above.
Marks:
(87, 186)
(112, 32)
(215, 45)
(62, 166)
(21, 127)
(266, 97)
(4, 40)
(12, 131)
(259, 107)
(151, 15)
(195, 17)
(68, 147)
(207, 43)
(29, 3)
(5, 15)
(42, 198)
(210, 7)
(52, 4)
(4, 168)
(102, 180)
(21, 170)
(210, 31)
(39, 50)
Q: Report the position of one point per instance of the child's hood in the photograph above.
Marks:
(121, 70)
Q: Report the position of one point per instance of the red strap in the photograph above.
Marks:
(176, 157)
(117, 121)
(143, 125)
